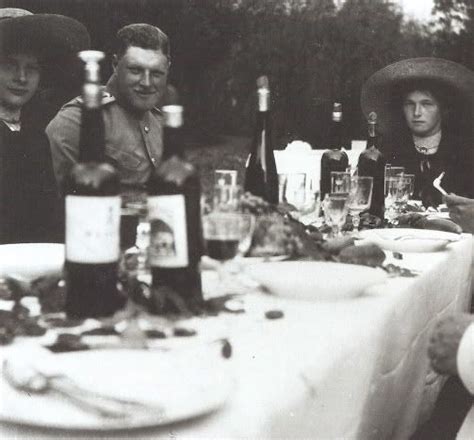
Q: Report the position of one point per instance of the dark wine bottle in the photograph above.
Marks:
(174, 212)
(334, 158)
(92, 204)
(261, 178)
(372, 163)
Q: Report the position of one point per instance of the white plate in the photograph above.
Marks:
(178, 385)
(270, 259)
(315, 280)
(28, 261)
(410, 240)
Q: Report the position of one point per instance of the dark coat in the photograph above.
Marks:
(30, 209)
(454, 156)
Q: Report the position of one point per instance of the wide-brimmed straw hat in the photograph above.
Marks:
(49, 36)
(378, 92)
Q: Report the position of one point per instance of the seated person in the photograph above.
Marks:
(424, 107)
(131, 101)
(29, 203)
(451, 351)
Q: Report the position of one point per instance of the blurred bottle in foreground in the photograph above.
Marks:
(372, 164)
(92, 211)
(334, 158)
(175, 222)
(261, 178)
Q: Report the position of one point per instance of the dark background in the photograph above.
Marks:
(312, 52)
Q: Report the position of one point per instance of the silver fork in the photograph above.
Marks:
(437, 184)
(27, 379)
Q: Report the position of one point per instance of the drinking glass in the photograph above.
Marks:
(411, 179)
(335, 211)
(222, 233)
(396, 196)
(226, 198)
(225, 177)
(340, 182)
(391, 171)
(247, 228)
(292, 189)
(360, 196)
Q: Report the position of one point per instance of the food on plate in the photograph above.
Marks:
(367, 255)
(420, 221)
(369, 221)
(336, 245)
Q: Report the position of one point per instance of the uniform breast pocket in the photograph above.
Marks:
(123, 159)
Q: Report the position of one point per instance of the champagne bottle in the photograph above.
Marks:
(174, 213)
(372, 163)
(92, 205)
(261, 178)
(334, 158)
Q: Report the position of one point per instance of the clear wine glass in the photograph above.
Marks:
(225, 177)
(335, 211)
(360, 196)
(340, 182)
(226, 198)
(411, 183)
(396, 195)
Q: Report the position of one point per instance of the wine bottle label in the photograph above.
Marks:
(168, 233)
(92, 229)
(263, 99)
(337, 116)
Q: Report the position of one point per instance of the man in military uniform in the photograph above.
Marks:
(132, 119)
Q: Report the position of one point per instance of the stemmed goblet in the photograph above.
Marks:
(335, 211)
(360, 196)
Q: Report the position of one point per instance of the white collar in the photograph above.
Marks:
(427, 145)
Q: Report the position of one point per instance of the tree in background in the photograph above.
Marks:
(454, 38)
(313, 52)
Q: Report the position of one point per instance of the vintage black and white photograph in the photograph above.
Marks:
(237, 219)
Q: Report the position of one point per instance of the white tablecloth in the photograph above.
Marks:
(332, 370)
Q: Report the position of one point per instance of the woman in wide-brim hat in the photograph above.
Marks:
(29, 44)
(446, 86)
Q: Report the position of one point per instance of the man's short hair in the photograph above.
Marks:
(142, 35)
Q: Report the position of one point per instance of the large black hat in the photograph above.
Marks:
(379, 90)
(48, 36)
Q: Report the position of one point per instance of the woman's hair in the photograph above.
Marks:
(454, 108)
(142, 35)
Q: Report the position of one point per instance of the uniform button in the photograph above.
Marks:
(153, 160)
(146, 128)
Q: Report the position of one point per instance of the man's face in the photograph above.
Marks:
(19, 80)
(422, 113)
(141, 78)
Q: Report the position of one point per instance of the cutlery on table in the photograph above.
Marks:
(25, 378)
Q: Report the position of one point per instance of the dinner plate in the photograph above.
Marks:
(410, 240)
(315, 280)
(27, 261)
(176, 386)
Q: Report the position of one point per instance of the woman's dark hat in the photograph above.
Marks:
(49, 36)
(378, 92)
